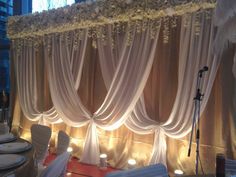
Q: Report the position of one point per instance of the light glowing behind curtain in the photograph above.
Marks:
(121, 96)
(39, 6)
(124, 85)
(191, 59)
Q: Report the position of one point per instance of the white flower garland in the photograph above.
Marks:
(99, 13)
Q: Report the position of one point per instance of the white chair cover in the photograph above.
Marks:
(230, 167)
(11, 174)
(4, 128)
(40, 136)
(63, 141)
(57, 168)
(157, 170)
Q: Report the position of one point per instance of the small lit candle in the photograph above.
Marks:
(68, 174)
(103, 161)
(178, 172)
(69, 149)
(131, 163)
(48, 149)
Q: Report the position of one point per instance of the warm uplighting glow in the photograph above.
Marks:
(178, 172)
(103, 156)
(74, 141)
(68, 174)
(69, 149)
(26, 135)
(183, 151)
(131, 163)
(103, 161)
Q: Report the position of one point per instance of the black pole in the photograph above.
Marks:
(4, 102)
(196, 116)
(220, 165)
(1, 106)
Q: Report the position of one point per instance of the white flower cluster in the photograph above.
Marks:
(92, 14)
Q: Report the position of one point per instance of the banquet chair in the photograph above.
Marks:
(4, 128)
(40, 136)
(157, 170)
(63, 141)
(11, 174)
(57, 168)
(230, 167)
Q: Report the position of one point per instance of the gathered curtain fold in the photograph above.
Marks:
(129, 78)
(133, 67)
(195, 52)
(62, 82)
(26, 76)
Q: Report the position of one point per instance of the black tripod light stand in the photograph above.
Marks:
(196, 116)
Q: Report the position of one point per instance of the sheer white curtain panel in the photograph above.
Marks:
(125, 69)
(62, 83)
(195, 52)
(27, 83)
(123, 93)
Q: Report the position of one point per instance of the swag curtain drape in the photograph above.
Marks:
(62, 84)
(124, 85)
(138, 54)
(26, 76)
(195, 52)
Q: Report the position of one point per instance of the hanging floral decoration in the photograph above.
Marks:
(99, 13)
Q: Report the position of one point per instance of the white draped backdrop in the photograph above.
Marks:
(125, 69)
(225, 21)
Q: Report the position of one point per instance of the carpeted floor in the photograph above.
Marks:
(77, 169)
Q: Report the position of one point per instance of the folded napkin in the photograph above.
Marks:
(14, 147)
(6, 137)
(10, 161)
